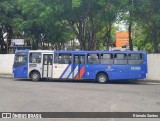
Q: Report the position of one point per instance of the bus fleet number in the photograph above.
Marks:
(136, 68)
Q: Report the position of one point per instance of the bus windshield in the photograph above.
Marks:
(20, 59)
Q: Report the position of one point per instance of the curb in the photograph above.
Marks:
(6, 76)
(150, 81)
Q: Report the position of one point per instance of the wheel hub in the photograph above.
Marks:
(102, 78)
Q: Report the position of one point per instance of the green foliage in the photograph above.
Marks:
(90, 21)
(76, 3)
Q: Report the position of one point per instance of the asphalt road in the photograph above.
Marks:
(54, 96)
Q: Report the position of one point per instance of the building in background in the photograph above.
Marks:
(122, 39)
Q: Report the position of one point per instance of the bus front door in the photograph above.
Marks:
(78, 67)
(47, 65)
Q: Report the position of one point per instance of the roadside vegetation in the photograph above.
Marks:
(52, 23)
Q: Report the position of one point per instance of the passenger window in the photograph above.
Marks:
(64, 58)
(35, 58)
(93, 58)
(82, 59)
(56, 58)
(106, 58)
(76, 60)
(135, 58)
(120, 58)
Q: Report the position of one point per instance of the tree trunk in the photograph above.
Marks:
(81, 34)
(91, 40)
(130, 36)
(130, 32)
(107, 35)
(154, 36)
(2, 43)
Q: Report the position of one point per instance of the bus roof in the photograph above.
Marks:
(41, 51)
(79, 51)
(97, 51)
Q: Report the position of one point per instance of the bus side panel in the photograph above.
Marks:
(114, 72)
(35, 67)
(21, 72)
(136, 72)
(91, 71)
(119, 72)
(61, 70)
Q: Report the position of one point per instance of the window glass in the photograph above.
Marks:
(135, 58)
(82, 59)
(64, 58)
(50, 59)
(79, 59)
(35, 58)
(106, 58)
(56, 58)
(47, 59)
(76, 60)
(120, 58)
(20, 59)
(93, 58)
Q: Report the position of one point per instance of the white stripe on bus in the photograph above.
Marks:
(75, 73)
(68, 71)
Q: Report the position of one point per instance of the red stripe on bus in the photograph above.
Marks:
(80, 74)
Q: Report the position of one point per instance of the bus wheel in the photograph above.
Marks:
(102, 78)
(35, 76)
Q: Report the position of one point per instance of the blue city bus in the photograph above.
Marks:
(102, 66)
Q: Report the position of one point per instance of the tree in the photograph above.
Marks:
(146, 14)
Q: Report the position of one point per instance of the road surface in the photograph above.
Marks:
(73, 96)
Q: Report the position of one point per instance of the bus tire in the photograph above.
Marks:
(102, 78)
(35, 76)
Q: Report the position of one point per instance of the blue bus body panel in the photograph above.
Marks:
(21, 72)
(116, 72)
(119, 72)
(92, 70)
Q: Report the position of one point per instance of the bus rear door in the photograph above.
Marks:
(79, 67)
(47, 65)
